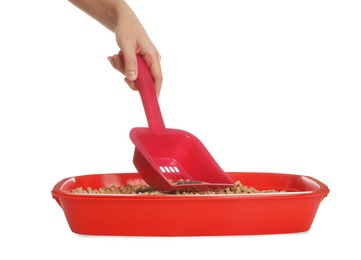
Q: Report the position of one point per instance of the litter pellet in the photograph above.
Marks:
(238, 188)
(181, 181)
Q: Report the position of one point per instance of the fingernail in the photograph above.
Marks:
(131, 75)
(110, 59)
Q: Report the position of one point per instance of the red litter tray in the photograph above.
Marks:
(191, 215)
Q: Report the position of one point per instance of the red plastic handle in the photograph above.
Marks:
(145, 86)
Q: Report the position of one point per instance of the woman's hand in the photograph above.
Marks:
(133, 39)
(130, 35)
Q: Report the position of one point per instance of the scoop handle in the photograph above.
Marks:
(145, 86)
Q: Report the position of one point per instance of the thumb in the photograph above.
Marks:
(130, 64)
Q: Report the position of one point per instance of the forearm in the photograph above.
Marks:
(105, 11)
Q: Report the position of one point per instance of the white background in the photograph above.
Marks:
(265, 85)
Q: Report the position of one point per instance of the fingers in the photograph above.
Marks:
(116, 63)
(128, 66)
(130, 84)
(119, 65)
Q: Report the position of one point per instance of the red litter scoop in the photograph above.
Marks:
(171, 159)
